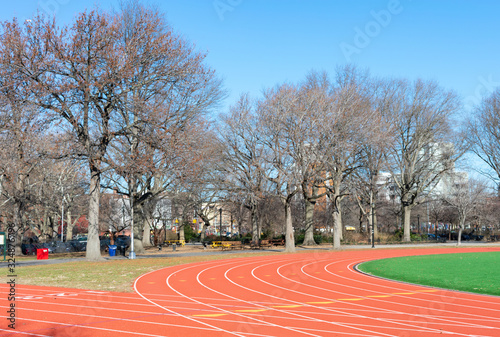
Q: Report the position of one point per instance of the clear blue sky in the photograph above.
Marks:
(256, 44)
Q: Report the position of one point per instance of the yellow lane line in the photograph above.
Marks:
(286, 306)
(428, 291)
(209, 315)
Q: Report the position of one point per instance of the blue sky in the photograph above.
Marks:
(256, 44)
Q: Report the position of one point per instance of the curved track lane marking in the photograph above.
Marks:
(361, 297)
(374, 294)
(239, 300)
(418, 328)
(176, 313)
(297, 303)
(253, 303)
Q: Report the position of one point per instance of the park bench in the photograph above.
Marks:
(175, 242)
(265, 244)
(277, 242)
(261, 244)
(227, 244)
(232, 245)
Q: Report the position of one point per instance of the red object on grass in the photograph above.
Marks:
(42, 254)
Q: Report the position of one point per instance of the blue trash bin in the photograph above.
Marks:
(112, 250)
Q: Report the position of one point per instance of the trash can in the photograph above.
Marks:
(42, 254)
(174, 247)
(112, 250)
(122, 250)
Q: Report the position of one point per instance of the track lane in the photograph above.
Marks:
(310, 294)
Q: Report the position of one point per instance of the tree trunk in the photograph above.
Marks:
(337, 220)
(336, 229)
(18, 227)
(406, 213)
(138, 234)
(289, 236)
(309, 233)
(93, 252)
(70, 226)
(45, 225)
(363, 226)
(181, 231)
(340, 224)
(137, 221)
(203, 231)
(460, 227)
(146, 238)
(255, 225)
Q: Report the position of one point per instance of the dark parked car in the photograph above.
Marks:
(476, 237)
(61, 247)
(122, 243)
(28, 249)
(104, 242)
(44, 245)
(433, 237)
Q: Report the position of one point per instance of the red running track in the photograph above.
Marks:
(309, 294)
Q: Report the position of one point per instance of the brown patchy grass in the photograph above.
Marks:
(111, 275)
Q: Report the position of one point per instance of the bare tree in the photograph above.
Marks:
(465, 198)
(71, 73)
(242, 159)
(423, 150)
(103, 77)
(22, 141)
(288, 127)
(346, 124)
(483, 133)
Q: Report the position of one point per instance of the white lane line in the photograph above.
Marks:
(247, 302)
(108, 319)
(295, 302)
(494, 300)
(218, 308)
(324, 289)
(84, 326)
(10, 331)
(453, 313)
(177, 313)
(316, 296)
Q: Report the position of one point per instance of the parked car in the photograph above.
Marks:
(122, 240)
(476, 237)
(104, 243)
(61, 247)
(44, 245)
(432, 237)
(28, 249)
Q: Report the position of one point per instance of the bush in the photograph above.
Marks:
(189, 234)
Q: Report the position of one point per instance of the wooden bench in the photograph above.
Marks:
(227, 244)
(277, 242)
(265, 244)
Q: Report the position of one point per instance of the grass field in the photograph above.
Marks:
(112, 275)
(473, 272)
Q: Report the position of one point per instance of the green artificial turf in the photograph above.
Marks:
(473, 272)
